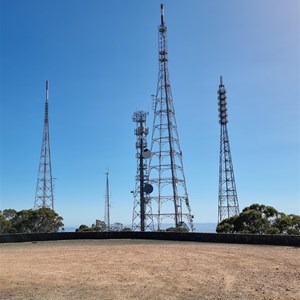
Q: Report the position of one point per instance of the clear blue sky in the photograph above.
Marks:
(100, 58)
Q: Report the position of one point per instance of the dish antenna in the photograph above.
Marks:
(146, 153)
(148, 188)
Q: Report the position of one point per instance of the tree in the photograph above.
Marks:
(261, 219)
(177, 229)
(229, 225)
(30, 221)
(5, 225)
(127, 229)
(288, 224)
(98, 226)
(117, 227)
(9, 214)
(83, 228)
(295, 222)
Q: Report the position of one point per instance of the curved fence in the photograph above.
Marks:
(282, 240)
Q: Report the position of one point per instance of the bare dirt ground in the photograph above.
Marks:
(123, 269)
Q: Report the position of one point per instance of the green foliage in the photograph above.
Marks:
(101, 226)
(116, 227)
(228, 225)
(127, 229)
(83, 228)
(5, 225)
(177, 229)
(9, 214)
(98, 226)
(29, 221)
(261, 219)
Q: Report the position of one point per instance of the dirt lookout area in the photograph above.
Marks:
(140, 269)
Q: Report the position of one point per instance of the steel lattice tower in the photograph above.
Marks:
(44, 197)
(166, 166)
(107, 204)
(142, 218)
(228, 200)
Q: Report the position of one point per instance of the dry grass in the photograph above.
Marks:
(103, 269)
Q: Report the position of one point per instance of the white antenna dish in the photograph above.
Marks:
(146, 153)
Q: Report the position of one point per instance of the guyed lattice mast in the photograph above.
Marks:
(166, 166)
(44, 197)
(107, 203)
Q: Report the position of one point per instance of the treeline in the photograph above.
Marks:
(261, 219)
(102, 226)
(29, 221)
(255, 219)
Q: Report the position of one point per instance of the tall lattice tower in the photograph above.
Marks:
(228, 200)
(44, 197)
(142, 218)
(166, 167)
(107, 204)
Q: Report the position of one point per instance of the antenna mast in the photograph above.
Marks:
(228, 205)
(107, 204)
(44, 197)
(166, 165)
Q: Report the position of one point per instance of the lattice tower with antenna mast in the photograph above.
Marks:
(44, 196)
(228, 204)
(142, 218)
(107, 203)
(166, 165)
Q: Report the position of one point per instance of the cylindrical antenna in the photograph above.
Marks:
(46, 103)
(222, 103)
(46, 90)
(162, 14)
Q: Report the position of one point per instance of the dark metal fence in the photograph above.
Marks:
(281, 240)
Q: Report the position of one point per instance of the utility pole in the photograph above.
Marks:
(44, 197)
(228, 205)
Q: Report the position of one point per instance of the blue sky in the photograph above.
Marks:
(100, 58)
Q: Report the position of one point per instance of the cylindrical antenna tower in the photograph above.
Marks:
(142, 213)
(227, 198)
